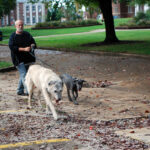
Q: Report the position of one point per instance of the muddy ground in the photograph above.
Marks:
(126, 95)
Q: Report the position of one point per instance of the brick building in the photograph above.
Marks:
(142, 8)
(122, 10)
(29, 13)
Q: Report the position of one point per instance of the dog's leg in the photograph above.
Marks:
(39, 95)
(74, 98)
(47, 110)
(76, 92)
(29, 98)
(30, 86)
(68, 92)
(49, 103)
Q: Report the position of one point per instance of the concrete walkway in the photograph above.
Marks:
(90, 32)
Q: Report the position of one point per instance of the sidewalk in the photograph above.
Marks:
(90, 32)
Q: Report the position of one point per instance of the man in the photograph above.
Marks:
(20, 44)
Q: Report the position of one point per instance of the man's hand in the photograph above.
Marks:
(27, 49)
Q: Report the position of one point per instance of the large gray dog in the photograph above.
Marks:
(47, 82)
(73, 85)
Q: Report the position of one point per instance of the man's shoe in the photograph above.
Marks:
(22, 94)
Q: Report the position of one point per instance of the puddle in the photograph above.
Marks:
(42, 52)
(4, 54)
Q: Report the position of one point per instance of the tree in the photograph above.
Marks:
(106, 8)
(6, 6)
(140, 2)
(48, 3)
(48, 17)
(70, 11)
(56, 11)
(57, 8)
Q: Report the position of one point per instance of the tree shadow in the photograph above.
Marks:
(111, 43)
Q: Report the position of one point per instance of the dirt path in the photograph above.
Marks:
(91, 125)
(127, 96)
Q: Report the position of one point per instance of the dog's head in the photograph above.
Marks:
(79, 83)
(55, 89)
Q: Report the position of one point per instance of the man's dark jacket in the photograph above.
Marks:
(21, 40)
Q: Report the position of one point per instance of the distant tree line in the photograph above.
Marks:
(5, 8)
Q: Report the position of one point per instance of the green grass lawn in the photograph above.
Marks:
(5, 64)
(43, 32)
(75, 42)
(8, 30)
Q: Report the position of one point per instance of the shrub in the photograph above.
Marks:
(58, 24)
(55, 23)
(141, 19)
(141, 22)
(148, 14)
(92, 21)
(139, 16)
(83, 22)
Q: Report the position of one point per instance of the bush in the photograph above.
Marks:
(141, 22)
(148, 14)
(130, 23)
(140, 16)
(141, 19)
(83, 23)
(55, 24)
(58, 24)
(92, 21)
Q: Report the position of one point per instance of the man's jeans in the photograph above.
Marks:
(22, 68)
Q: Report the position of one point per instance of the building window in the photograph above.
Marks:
(33, 8)
(27, 8)
(130, 9)
(116, 10)
(141, 8)
(2, 21)
(28, 19)
(39, 19)
(39, 8)
(33, 20)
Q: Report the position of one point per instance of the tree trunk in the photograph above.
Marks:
(106, 8)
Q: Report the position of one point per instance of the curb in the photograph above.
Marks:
(82, 52)
(92, 52)
(96, 52)
(7, 69)
(132, 27)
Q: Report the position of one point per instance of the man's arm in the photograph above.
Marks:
(12, 45)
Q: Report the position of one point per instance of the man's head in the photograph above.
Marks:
(19, 26)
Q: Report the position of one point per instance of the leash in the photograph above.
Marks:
(33, 52)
